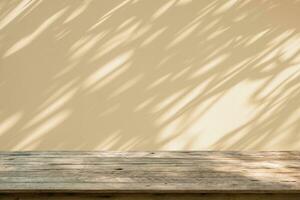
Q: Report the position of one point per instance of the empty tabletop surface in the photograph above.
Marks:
(150, 172)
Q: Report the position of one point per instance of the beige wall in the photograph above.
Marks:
(149, 75)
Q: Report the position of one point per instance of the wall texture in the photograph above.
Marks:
(149, 75)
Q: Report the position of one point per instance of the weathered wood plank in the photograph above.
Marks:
(72, 196)
(150, 172)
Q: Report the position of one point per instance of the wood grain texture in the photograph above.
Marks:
(150, 172)
(72, 196)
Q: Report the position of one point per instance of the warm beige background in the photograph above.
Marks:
(150, 75)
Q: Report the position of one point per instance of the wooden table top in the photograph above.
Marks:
(150, 172)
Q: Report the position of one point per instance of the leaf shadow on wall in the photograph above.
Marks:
(141, 75)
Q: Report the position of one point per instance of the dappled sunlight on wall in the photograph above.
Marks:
(149, 75)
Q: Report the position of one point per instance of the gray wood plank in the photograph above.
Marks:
(150, 172)
(70, 196)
